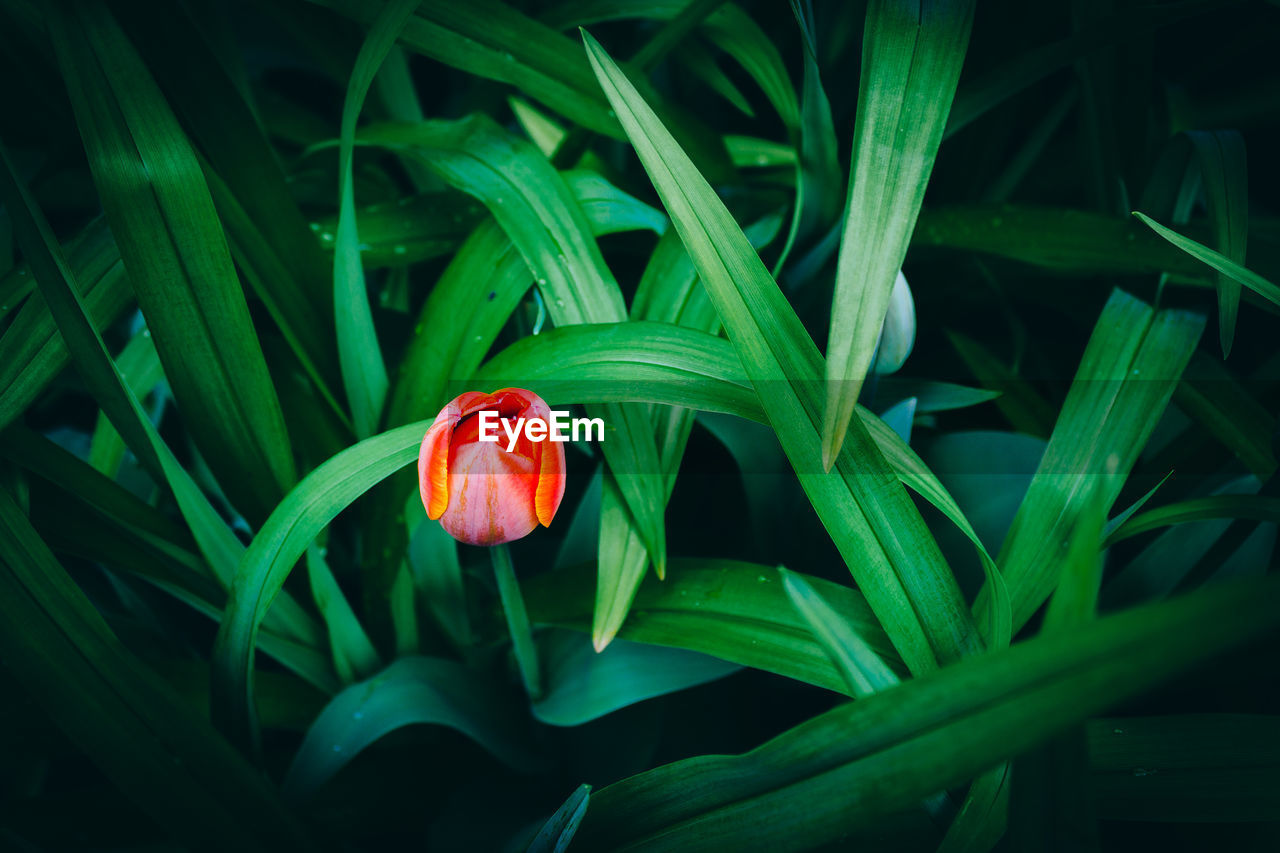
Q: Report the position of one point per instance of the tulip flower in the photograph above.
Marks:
(482, 492)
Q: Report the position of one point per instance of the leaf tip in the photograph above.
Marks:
(841, 403)
(660, 566)
(832, 439)
(1226, 332)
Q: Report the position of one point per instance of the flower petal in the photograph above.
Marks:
(433, 457)
(474, 401)
(551, 481)
(433, 469)
(491, 494)
(550, 458)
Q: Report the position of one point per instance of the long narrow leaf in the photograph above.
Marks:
(558, 831)
(1220, 262)
(863, 671)
(911, 58)
(138, 732)
(667, 291)
(728, 27)
(217, 542)
(31, 351)
(264, 224)
(498, 42)
(819, 159)
(1256, 507)
(837, 772)
(532, 203)
(729, 609)
(412, 691)
(158, 206)
(1059, 239)
(80, 513)
(1133, 360)
(1221, 404)
(278, 545)
(353, 654)
(363, 373)
(664, 363)
(1226, 184)
(878, 531)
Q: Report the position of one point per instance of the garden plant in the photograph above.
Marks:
(639, 424)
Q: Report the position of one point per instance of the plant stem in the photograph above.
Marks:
(517, 620)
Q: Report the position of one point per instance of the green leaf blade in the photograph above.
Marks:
(836, 773)
(360, 355)
(911, 61)
(174, 250)
(1218, 261)
(412, 691)
(921, 609)
(1225, 178)
(1126, 377)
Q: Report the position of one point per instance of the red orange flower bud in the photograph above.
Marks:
(489, 492)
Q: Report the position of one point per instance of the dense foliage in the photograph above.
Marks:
(936, 507)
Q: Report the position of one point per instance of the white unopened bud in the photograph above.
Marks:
(898, 334)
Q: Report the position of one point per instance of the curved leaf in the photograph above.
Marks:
(413, 690)
(1220, 262)
(1130, 366)
(32, 352)
(665, 363)
(216, 540)
(839, 771)
(728, 27)
(1225, 179)
(731, 610)
(278, 545)
(174, 250)
(444, 347)
(359, 353)
(532, 203)
(558, 831)
(584, 684)
(862, 669)
(142, 735)
(1255, 507)
(878, 530)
